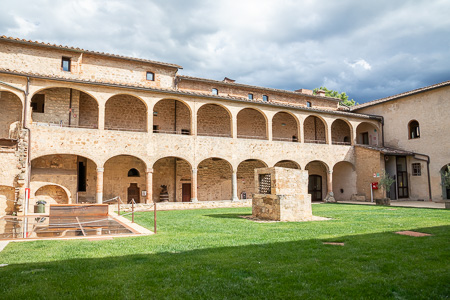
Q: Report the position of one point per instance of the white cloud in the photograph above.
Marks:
(361, 63)
(23, 27)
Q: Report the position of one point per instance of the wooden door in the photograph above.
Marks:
(315, 187)
(134, 193)
(186, 192)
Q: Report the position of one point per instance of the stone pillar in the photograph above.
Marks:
(302, 131)
(330, 194)
(99, 189)
(269, 129)
(101, 116)
(194, 186)
(150, 120)
(234, 126)
(328, 124)
(149, 173)
(234, 185)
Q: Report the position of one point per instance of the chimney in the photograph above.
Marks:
(305, 91)
(320, 93)
(228, 80)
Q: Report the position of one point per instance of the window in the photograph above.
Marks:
(133, 173)
(265, 184)
(308, 104)
(265, 98)
(215, 91)
(150, 76)
(414, 130)
(250, 96)
(155, 128)
(185, 131)
(38, 103)
(65, 64)
(416, 169)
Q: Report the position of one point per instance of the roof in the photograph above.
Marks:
(387, 150)
(405, 94)
(188, 93)
(253, 87)
(73, 49)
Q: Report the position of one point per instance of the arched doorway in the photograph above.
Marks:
(317, 179)
(119, 179)
(52, 194)
(315, 130)
(64, 107)
(172, 117)
(11, 113)
(214, 180)
(284, 127)
(251, 124)
(172, 180)
(125, 113)
(367, 134)
(344, 180)
(213, 120)
(246, 177)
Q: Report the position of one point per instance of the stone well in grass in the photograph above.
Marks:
(282, 195)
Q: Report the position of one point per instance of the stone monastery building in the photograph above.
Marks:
(80, 126)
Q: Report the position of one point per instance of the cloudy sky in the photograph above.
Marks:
(369, 49)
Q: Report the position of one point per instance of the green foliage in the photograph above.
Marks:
(386, 181)
(335, 94)
(446, 177)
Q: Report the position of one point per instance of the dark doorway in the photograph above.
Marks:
(81, 176)
(315, 187)
(402, 177)
(365, 138)
(186, 192)
(134, 193)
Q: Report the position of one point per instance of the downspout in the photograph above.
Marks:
(382, 131)
(25, 112)
(428, 171)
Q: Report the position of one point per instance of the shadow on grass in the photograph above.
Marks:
(228, 216)
(380, 265)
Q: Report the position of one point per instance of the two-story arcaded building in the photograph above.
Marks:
(82, 126)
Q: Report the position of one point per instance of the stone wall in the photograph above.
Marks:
(10, 112)
(57, 107)
(246, 177)
(52, 194)
(368, 162)
(125, 112)
(251, 123)
(373, 132)
(88, 111)
(343, 174)
(214, 120)
(7, 198)
(314, 129)
(340, 131)
(284, 127)
(171, 116)
(214, 180)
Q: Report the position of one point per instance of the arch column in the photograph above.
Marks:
(101, 116)
(234, 186)
(234, 126)
(328, 137)
(301, 128)
(269, 129)
(150, 121)
(99, 188)
(330, 194)
(149, 183)
(194, 186)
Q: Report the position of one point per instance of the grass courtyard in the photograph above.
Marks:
(217, 254)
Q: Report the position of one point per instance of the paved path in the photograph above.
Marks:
(418, 204)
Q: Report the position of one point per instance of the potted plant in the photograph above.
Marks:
(385, 182)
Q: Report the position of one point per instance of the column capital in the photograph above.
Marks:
(194, 170)
(149, 170)
(100, 169)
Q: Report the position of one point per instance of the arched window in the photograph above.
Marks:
(414, 130)
(215, 91)
(133, 173)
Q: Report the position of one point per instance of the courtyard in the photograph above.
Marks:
(216, 253)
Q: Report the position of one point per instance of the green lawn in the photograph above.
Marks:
(217, 254)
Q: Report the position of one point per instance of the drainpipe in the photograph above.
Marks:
(428, 171)
(382, 131)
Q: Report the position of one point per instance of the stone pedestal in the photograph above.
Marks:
(282, 195)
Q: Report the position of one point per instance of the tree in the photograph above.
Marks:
(386, 181)
(335, 94)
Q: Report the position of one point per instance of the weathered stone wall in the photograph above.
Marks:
(10, 112)
(52, 194)
(88, 111)
(246, 177)
(251, 123)
(214, 180)
(339, 131)
(7, 197)
(214, 120)
(288, 200)
(314, 129)
(343, 174)
(171, 116)
(368, 162)
(284, 127)
(125, 112)
(57, 106)
(287, 164)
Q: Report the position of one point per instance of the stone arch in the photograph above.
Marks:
(126, 112)
(315, 130)
(317, 170)
(75, 173)
(341, 132)
(251, 124)
(172, 172)
(344, 180)
(246, 177)
(172, 116)
(285, 127)
(214, 120)
(7, 198)
(288, 164)
(47, 108)
(116, 181)
(52, 194)
(214, 178)
(367, 133)
(11, 114)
